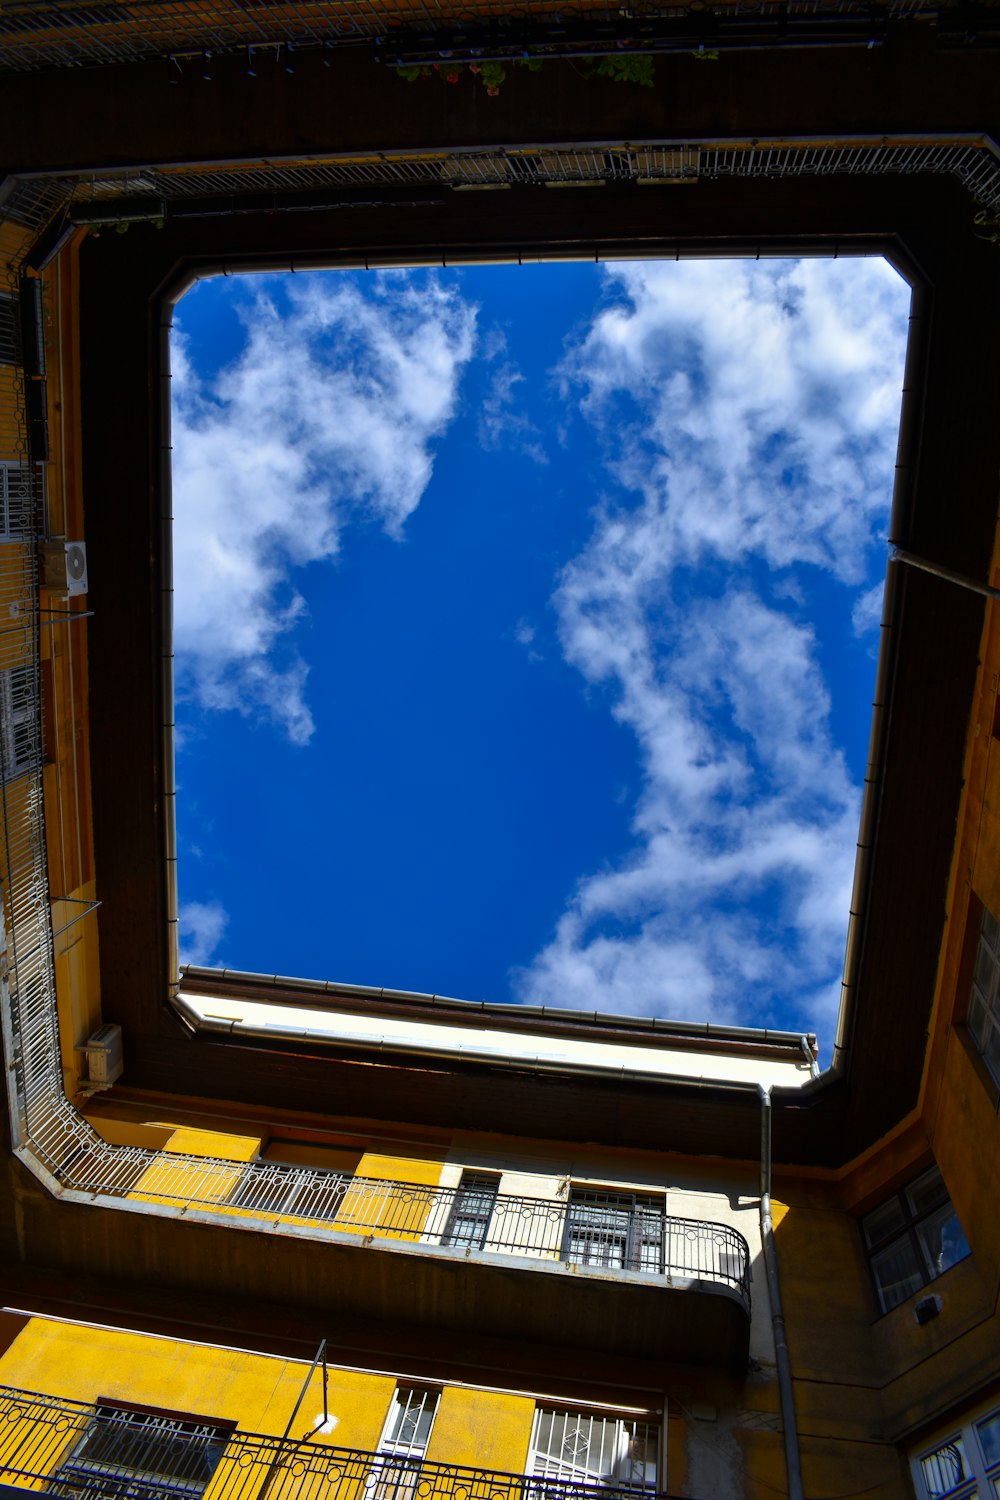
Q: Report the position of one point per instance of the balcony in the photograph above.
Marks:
(589, 1231)
(596, 1269)
(50, 1446)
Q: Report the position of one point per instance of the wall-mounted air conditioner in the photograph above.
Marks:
(104, 1055)
(64, 566)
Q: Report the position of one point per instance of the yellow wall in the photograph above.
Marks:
(475, 1428)
(393, 1215)
(482, 1431)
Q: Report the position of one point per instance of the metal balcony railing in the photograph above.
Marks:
(104, 1452)
(602, 1231)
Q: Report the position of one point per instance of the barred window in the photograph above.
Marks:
(18, 721)
(471, 1210)
(134, 1453)
(404, 1443)
(912, 1238)
(983, 1018)
(620, 1231)
(616, 1453)
(10, 330)
(410, 1419)
(17, 499)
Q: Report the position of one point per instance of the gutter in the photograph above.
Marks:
(911, 417)
(382, 1045)
(786, 1392)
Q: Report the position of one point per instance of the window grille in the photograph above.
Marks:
(912, 1239)
(10, 330)
(620, 1231)
(128, 1454)
(983, 1018)
(16, 498)
(614, 1453)
(404, 1443)
(472, 1210)
(966, 1464)
(18, 721)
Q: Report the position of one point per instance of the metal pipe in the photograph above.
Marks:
(380, 1044)
(166, 581)
(501, 1010)
(911, 559)
(786, 1393)
(319, 1355)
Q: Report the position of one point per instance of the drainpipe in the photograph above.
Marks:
(786, 1394)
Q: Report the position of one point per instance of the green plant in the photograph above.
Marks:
(635, 67)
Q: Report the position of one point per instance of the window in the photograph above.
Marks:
(18, 721)
(620, 1231)
(983, 1017)
(134, 1453)
(10, 330)
(966, 1463)
(17, 499)
(614, 1453)
(404, 1442)
(912, 1239)
(472, 1210)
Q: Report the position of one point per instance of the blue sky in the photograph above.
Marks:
(526, 622)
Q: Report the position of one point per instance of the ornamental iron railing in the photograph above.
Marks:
(106, 1452)
(76, 33)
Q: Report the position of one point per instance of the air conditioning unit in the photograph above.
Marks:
(65, 566)
(104, 1055)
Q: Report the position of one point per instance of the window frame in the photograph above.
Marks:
(983, 1479)
(988, 997)
(645, 1226)
(474, 1188)
(906, 1231)
(395, 1472)
(542, 1465)
(19, 715)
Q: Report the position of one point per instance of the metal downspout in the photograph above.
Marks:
(786, 1394)
(166, 590)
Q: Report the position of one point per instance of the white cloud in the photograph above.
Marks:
(503, 411)
(327, 416)
(752, 409)
(201, 927)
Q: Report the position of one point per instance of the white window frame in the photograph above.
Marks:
(982, 1473)
(614, 1437)
(396, 1472)
(907, 1233)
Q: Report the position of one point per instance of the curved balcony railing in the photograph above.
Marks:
(599, 1231)
(70, 1448)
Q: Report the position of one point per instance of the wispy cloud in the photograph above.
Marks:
(751, 409)
(202, 925)
(328, 415)
(504, 420)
